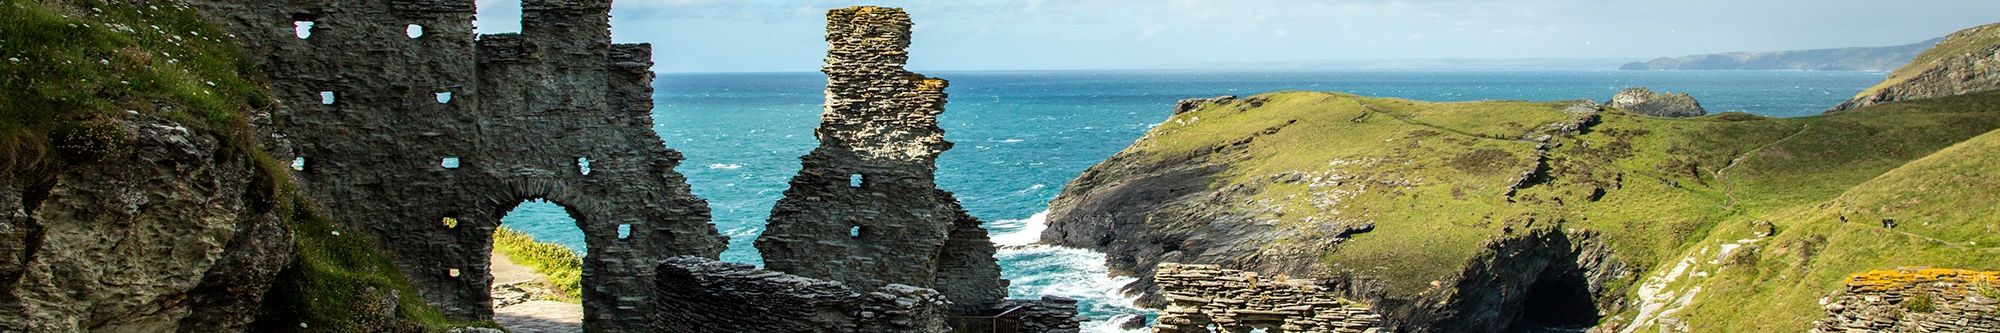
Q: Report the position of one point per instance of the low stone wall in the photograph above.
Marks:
(1914, 300)
(1050, 314)
(701, 295)
(1239, 301)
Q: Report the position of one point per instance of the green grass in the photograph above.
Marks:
(1437, 180)
(559, 263)
(72, 66)
(1978, 37)
(341, 281)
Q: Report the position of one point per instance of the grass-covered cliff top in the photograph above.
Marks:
(1956, 44)
(71, 70)
(1439, 180)
(68, 68)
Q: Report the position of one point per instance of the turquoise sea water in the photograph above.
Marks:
(1022, 135)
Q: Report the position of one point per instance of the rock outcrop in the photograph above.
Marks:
(1645, 101)
(406, 125)
(1238, 301)
(165, 233)
(865, 209)
(1841, 59)
(1965, 62)
(1187, 105)
(1914, 300)
(700, 295)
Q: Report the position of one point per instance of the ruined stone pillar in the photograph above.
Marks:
(865, 210)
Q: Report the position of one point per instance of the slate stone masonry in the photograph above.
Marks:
(1914, 300)
(865, 209)
(402, 117)
(1239, 301)
(701, 295)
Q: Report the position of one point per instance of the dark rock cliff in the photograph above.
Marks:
(168, 233)
(1965, 62)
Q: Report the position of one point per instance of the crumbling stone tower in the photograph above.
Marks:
(414, 131)
(866, 210)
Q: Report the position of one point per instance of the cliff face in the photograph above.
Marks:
(1499, 216)
(164, 234)
(1842, 59)
(1963, 63)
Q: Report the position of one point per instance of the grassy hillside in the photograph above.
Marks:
(1956, 44)
(70, 70)
(1441, 180)
(1944, 206)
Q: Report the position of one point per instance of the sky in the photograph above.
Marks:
(698, 36)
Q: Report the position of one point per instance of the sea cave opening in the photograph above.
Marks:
(1558, 301)
(537, 265)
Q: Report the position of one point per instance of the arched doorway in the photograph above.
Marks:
(537, 267)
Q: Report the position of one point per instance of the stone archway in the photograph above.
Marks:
(403, 128)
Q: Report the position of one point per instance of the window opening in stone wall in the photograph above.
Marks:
(583, 166)
(450, 163)
(444, 97)
(854, 232)
(535, 233)
(452, 272)
(299, 164)
(498, 16)
(303, 29)
(624, 231)
(854, 181)
(414, 31)
(450, 222)
(326, 98)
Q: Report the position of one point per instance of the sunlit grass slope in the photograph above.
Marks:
(1438, 180)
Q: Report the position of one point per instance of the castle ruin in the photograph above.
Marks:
(408, 126)
(412, 129)
(865, 210)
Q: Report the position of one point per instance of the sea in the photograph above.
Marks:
(1021, 135)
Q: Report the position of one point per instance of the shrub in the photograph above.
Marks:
(1920, 303)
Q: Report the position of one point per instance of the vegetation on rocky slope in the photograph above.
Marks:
(559, 263)
(70, 70)
(1959, 43)
(1441, 183)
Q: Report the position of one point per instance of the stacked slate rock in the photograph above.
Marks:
(701, 295)
(1644, 101)
(1914, 300)
(865, 209)
(1051, 314)
(1239, 301)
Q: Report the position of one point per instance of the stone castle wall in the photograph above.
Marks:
(1915, 300)
(398, 132)
(865, 210)
(1239, 301)
(700, 295)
